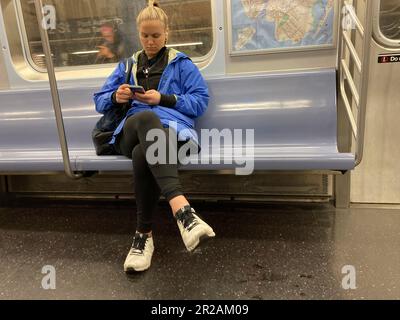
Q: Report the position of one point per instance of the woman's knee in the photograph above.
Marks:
(148, 120)
(141, 119)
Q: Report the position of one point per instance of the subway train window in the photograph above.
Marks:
(92, 32)
(390, 19)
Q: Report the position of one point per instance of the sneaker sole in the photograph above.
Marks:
(133, 271)
(202, 240)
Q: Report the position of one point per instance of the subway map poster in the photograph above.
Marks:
(258, 25)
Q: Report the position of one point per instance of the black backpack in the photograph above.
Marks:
(104, 129)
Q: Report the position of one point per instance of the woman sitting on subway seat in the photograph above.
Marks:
(175, 92)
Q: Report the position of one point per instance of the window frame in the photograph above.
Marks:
(377, 32)
(201, 62)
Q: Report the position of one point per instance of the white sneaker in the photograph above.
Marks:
(139, 257)
(192, 228)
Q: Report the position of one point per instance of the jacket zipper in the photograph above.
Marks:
(146, 73)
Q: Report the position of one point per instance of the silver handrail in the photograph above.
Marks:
(364, 81)
(54, 93)
(357, 122)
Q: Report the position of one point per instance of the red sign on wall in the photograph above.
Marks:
(389, 58)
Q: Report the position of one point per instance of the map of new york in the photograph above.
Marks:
(271, 24)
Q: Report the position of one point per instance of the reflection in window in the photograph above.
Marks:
(87, 32)
(390, 19)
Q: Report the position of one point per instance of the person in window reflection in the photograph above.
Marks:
(113, 45)
(175, 95)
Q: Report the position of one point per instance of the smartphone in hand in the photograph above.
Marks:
(138, 89)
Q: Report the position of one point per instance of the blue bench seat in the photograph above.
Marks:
(293, 115)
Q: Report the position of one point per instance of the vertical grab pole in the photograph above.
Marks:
(54, 92)
(364, 80)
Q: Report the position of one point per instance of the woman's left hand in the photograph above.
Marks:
(151, 97)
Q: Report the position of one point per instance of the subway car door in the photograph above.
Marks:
(377, 180)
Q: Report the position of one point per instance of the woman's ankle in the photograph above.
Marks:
(178, 203)
(149, 234)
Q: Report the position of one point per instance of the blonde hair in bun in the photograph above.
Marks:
(154, 3)
(153, 12)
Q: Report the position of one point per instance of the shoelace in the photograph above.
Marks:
(139, 243)
(187, 219)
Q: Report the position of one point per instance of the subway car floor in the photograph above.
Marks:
(262, 251)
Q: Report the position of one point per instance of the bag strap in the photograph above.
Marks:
(129, 66)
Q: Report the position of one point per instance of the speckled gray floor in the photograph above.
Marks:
(263, 251)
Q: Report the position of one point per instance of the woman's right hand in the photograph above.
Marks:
(124, 94)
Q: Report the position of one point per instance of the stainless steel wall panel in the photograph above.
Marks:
(377, 180)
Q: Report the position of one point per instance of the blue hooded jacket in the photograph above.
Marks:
(181, 78)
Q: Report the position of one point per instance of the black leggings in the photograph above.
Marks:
(150, 180)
